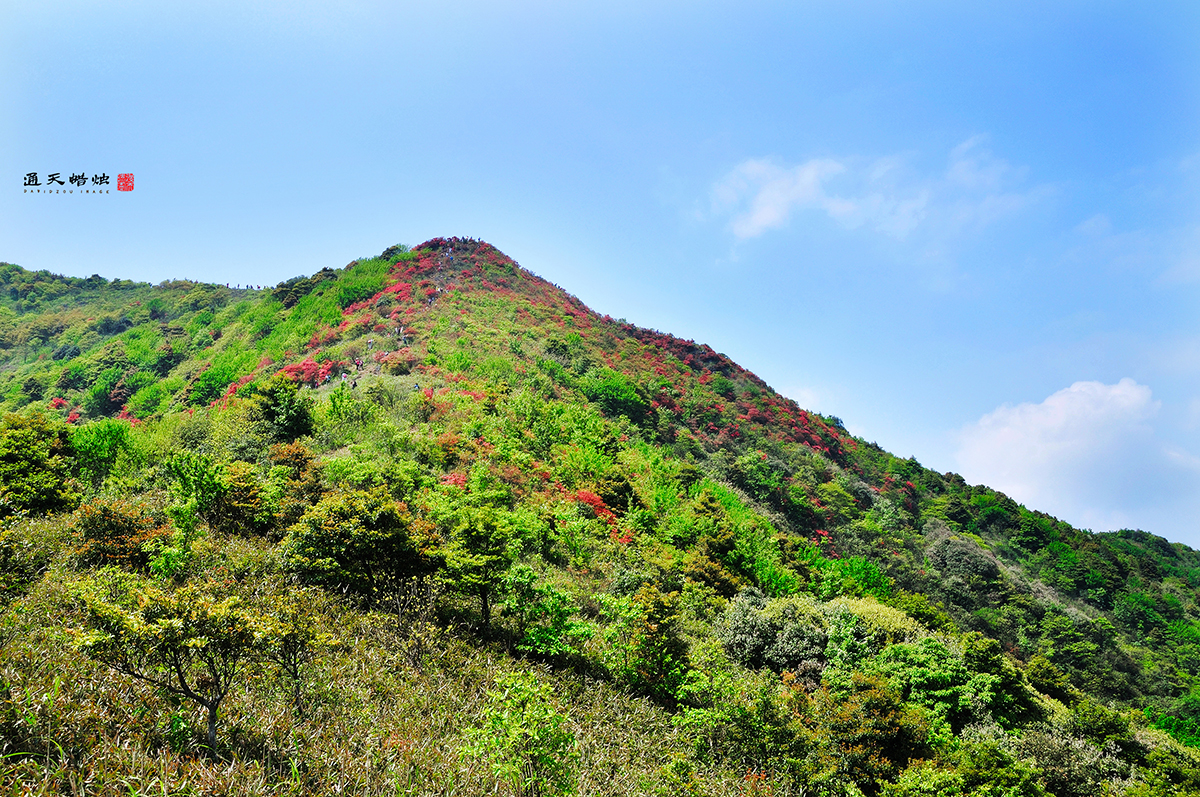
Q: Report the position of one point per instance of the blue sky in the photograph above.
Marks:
(970, 230)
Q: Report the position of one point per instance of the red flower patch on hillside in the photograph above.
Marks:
(402, 290)
(306, 371)
(364, 320)
(322, 337)
(597, 505)
(332, 367)
(233, 388)
(455, 479)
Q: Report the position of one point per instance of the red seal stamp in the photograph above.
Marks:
(124, 182)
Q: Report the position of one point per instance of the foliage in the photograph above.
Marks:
(783, 634)
(291, 634)
(36, 464)
(188, 642)
(648, 652)
(358, 541)
(866, 736)
(543, 615)
(197, 480)
(616, 395)
(241, 505)
(522, 735)
(982, 769)
(483, 543)
(97, 446)
(927, 674)
(287, 414)
(116, 532)
(27, 550)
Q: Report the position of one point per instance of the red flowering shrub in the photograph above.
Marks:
(331, 368)
(456, 479)
(322, 337)
(306, 371)
(598, 507)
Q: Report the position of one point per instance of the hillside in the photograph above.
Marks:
(428, 524)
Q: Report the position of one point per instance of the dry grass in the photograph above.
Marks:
(374, 724)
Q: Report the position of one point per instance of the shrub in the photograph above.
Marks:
(187, 643)
(616, 395)
(197, 480)
(658, 663)
(1070, 767)
(869, 735)
(542, 614)
(1103, 726)
(102, 398)
(240, 507)
(116, 532)
(36, 464)
(286, 412)
(211, 385)
(521, 735)
(362, 542)
(292, 635)
(746, 631)
(483, 543)
(345, 409)
(26, 550)
(97, 445)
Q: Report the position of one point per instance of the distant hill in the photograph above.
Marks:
(439, 494)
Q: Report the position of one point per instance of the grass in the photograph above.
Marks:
(374, 723)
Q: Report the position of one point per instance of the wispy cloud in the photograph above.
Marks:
(765, 194)
(1088, 454)
(885, 195)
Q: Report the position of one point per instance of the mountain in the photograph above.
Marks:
(427, 523)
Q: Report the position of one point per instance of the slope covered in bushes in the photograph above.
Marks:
(428, 524)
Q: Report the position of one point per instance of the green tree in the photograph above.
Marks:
(483, 544)
(655, 660)
(36, 465)
(616, 395)
(97, 445)
(982, 770)
(279, 404)
(196, 480)
(188, 642)
(292, 634)
(543, 615)
(359, 541)
(927, 674)
(755, 474)
(241, 507)
(867, 736)
(1012, 700)
(840, 506)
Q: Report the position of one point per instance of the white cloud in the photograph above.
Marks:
(773, 193)
(1087, 454)
(884, 195)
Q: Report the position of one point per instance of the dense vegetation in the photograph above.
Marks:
(427, 524)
